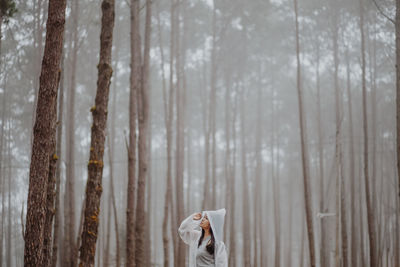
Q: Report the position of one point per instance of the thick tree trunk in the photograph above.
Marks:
(43, 134)
(304, 152)
(143, 145)
(370, 213)
(99, 112)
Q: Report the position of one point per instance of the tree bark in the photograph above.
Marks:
(53, 158)
(56, 229)
(99, 112)
(304, 153)
(42, 135)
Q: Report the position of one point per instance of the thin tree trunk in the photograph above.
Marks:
(245, 187)
(71, 257)
(361, 209)
(353, 258)
(323, 257)
(43, 131)
(168, 208)
(134, 87)
(213, 104)
(257, 184)
(304, 153)
(2, 172)
(180, 136)
(275, 186)
(143, 144)
(174, 49)
(167, 111)
(370, 213)
(99, 112)
(9, 209)
(397, 29)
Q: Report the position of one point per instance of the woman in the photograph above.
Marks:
(203, 233)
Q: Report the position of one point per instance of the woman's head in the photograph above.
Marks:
(205, 223)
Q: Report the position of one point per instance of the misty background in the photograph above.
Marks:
(235, 96)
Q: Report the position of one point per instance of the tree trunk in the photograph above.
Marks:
(99, 112)
(275, 186)
(143, 144)
(370, 213)
(323, 250)
(174, 48)
(2, 172)
(70, 235)
(353, 249)
(245, 188)
(50, 195)
(213, 100)
(304, 153)
(167, 111)
(180, 136)
(42, 135)
(9, 240)
(134, 88)
(397, 29)
(257, 183)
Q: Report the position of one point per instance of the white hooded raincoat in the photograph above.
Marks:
(190, 233)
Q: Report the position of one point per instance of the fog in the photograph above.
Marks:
(224, 127)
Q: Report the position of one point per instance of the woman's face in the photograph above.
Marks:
(205, 223)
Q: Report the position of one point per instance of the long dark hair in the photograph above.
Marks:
(211, 245)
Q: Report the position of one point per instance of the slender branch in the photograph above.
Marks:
(383, 13)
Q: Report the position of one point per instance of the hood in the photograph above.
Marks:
(216, 219)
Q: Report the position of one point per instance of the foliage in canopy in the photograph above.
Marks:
(7, 9)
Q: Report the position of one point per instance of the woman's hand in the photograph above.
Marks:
(197, 216)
